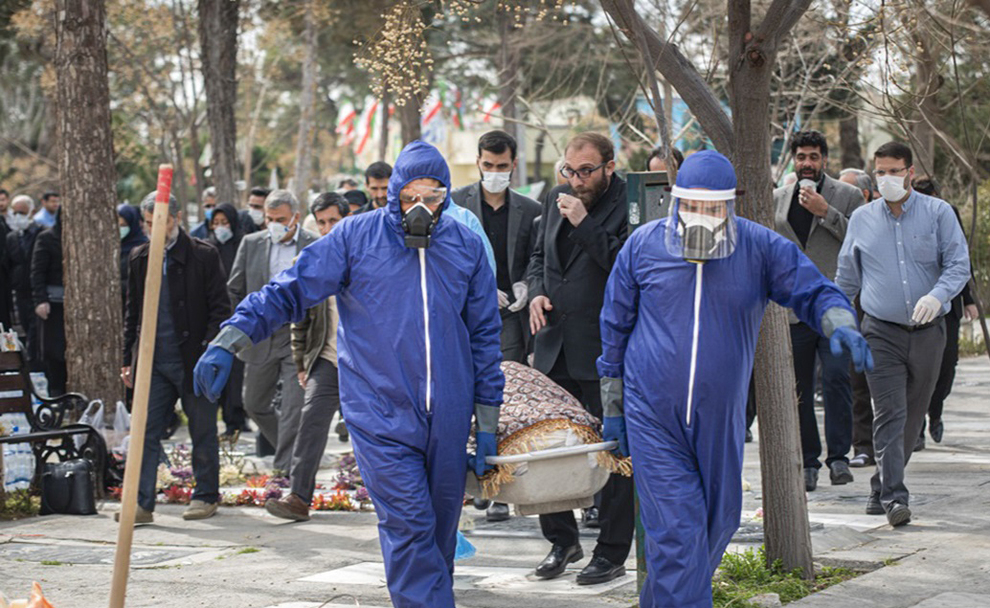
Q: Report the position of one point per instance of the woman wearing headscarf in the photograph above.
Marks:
(225, 233)
(131, 235)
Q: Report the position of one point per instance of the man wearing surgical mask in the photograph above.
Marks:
(262, 256)
(679, 325)
(905, 256)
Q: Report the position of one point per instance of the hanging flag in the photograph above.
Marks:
(488, 107)
(432, 106)
(346, 117)
(366, 124)
(458, 114)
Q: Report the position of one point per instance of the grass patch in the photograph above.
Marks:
(18, 505)
(248, 550)
(971, 348)
(744, 575)
(51, 562)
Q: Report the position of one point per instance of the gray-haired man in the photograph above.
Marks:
(260, 257)
(192, 304)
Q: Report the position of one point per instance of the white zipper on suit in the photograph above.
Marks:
(426, 323)
(694, 339)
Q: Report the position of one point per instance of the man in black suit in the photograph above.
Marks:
(507, 218)
(583, 226)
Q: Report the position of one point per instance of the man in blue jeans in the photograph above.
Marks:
(192, 304)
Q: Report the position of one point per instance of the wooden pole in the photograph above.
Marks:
(142, 387)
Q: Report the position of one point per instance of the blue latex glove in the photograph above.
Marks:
(211, 372)
(486, 446)
(853, 342)
(614, 429)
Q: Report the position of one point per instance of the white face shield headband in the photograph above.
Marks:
(701, 224)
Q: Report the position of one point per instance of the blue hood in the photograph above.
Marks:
(417, 160)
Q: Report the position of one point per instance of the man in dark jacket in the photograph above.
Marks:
(47, 294)
(192, 304)
(583, 226)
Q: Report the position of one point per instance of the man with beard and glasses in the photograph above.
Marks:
(583, 226)
(813, 214)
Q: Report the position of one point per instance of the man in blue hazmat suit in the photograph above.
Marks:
(418, 353)
(682, 313)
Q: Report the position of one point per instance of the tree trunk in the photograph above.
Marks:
(383, 128)
(409, 117)
(786, 531)
(927, 82)
(508, 84)
(304, 142)
(852, 152)
(90, 239)
(218, 40)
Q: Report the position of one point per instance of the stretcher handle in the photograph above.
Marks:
(552, 453)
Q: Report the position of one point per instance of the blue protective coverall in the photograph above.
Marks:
(687, 441)
(407, 392)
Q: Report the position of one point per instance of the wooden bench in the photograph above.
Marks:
(48, 435)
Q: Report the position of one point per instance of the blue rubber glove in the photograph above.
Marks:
(853, 342)
(486, 446)
(614, 429)
(211, 372)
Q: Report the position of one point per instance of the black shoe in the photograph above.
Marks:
(590, 518)
(898, 515)
(873, 506)
(556, 561)
(499, 511)
(920, 444)
(342, 433)
(749, 436)
(481, 504)
(839, 473)
(935, 430)
(600, 570)
(810, 479)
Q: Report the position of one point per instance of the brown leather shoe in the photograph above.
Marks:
(288, 507)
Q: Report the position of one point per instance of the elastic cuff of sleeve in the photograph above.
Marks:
(487, 418)
(231, 339)
(612, 406)
(837, 317)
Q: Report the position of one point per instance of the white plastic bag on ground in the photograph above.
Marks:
(117, 438)
(93, 416)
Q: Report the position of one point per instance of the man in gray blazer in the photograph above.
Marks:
(260, 257)
(507, 218)
(813, 213)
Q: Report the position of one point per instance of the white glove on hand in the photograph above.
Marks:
(521, 292)
(503, 299)
(926, 310)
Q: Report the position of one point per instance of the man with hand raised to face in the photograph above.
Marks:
(418, 357)
(583, 226)
(682, 314)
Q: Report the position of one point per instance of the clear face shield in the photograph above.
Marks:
(701, 224)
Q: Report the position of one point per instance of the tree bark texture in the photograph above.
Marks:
(383, 127)
(90, 238)
(752, 57)
(508, 85)
(409, 119)
(304, 142)
(852, 152)
(218, 41)
(927, 82)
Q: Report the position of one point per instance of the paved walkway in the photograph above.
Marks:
(245, 558)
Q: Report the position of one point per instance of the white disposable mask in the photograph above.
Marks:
(257, 216)
(223, 233)
(277, 231)
(495, 182)
(19, 221)
(891, 187)
(691, 220)
(124, 231)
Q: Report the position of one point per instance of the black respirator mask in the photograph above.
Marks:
(418, 223)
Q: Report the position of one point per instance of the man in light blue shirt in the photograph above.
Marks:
(906, 257)
(45, 216)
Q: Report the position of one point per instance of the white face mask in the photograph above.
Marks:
(691, 220)
(257, 216)
(19, 221)
(891, 187)
(223, 234)
(495, 182)
(124, 231)
(277, 231)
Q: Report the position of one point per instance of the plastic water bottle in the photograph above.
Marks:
(18, 457)
(40, 386)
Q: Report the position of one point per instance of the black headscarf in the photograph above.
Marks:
(136, 235)
(229, 249)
